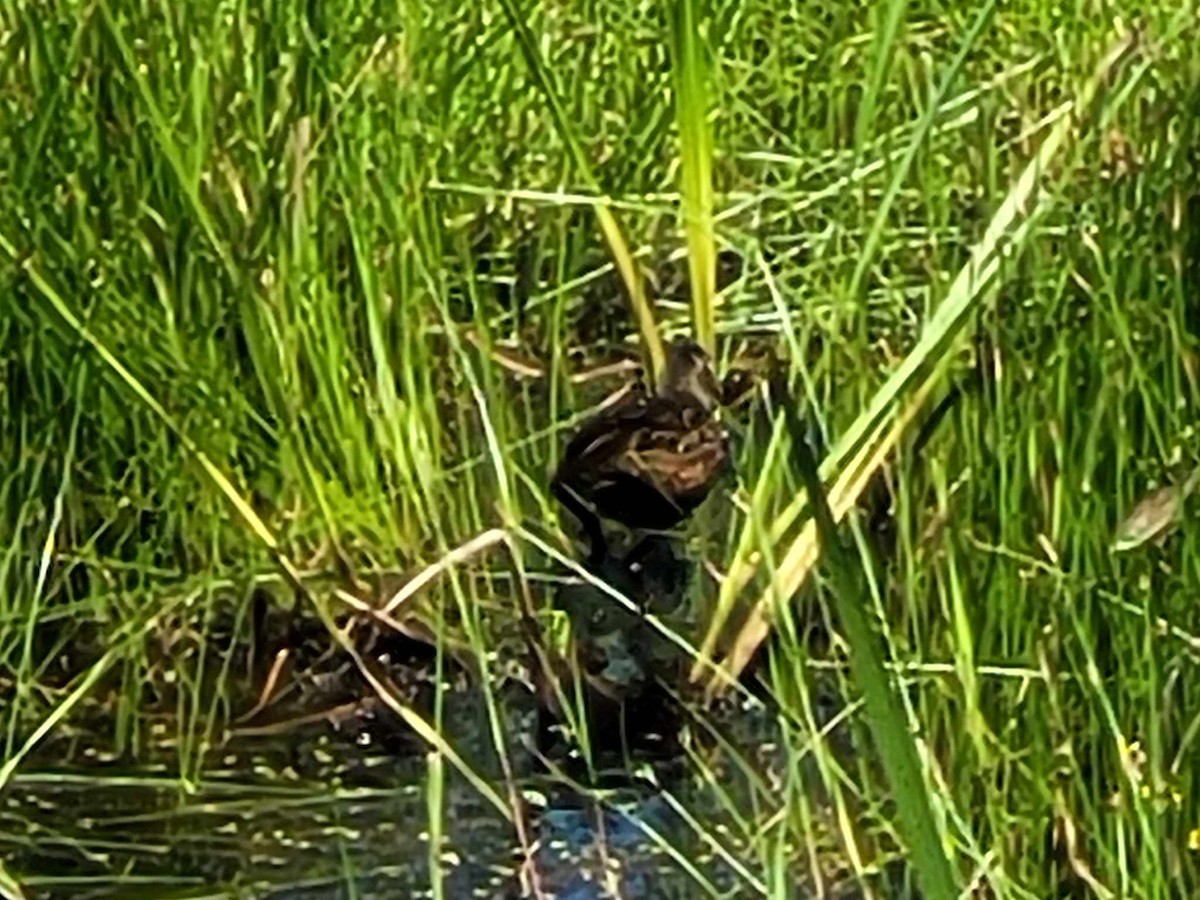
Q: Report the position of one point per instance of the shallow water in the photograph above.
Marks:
(318, 814)
(301, 802)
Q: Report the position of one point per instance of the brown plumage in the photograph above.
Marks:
(652, 459)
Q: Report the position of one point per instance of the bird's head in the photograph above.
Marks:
(689, 377)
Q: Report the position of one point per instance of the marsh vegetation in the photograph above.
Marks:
(301, 304)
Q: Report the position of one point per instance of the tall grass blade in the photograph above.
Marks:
(890, 18)
(189, 181)
(256, 524)
(862, 448)
(924, 126)
(885, 712)
(435, 803)
(740, 570)
(689, 64)
(139, 390)
(617, 245)
(10, 889)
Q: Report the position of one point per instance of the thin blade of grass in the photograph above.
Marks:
(461, 553)
(435, 802)
(889, 725)
(709, 838)
(189, 181)
(392, 700)
(753, 535)
(883, 50)
(871, 432)
(10, 889)
(83, 685)
(131, 381)
(661, 841)
(741, 569)
(802, 555)
(617, 245)
(689, 63)
(257, 526)
(924, 126)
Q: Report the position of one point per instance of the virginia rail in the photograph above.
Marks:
(650, 460)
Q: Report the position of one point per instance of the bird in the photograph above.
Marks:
(650, 460)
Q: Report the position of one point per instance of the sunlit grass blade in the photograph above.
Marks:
(875, 236)
(613, 235)
(189, 182)
(884, 709)
(690, 63)
(86, 682)
(889, 21)
(126, 377)
(754, 534)
(742, 566)
(802, 554)
(861, 449)
(10, 889)
(256, 525)
(390, 697)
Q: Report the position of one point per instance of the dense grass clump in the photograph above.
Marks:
(292, 295)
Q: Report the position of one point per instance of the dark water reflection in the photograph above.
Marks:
(323, 813)
(303, 806)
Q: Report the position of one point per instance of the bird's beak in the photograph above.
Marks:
(708, 388)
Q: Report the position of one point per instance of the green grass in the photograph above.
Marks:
(259, 266)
